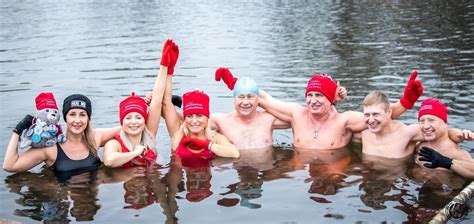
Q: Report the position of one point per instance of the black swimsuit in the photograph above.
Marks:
(64, 164)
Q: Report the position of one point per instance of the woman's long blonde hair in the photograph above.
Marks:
(90, 139)
(147, 140)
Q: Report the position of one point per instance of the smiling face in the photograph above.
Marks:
(133, 123)
(246, 104)
(196, 123)
(376, 116)
(77, 121)
(317, 103)
(432, 127)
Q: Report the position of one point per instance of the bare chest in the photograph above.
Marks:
(390, 145)
(245, 136)
(330, 135)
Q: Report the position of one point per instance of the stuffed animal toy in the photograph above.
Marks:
(45, 130)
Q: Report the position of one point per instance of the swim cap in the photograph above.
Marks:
(133, 104)
(245, 85)
(323, 84)
(195, 102)
(433, 107)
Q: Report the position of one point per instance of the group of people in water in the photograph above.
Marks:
(197, 135)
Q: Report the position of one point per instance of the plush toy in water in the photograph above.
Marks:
(45, 130)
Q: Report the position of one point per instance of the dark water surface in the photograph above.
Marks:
(106, 49)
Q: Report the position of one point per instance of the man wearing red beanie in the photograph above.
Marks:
(438, 149)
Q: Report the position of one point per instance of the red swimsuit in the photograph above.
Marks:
(149, 155)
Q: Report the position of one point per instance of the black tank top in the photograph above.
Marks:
(64, 164)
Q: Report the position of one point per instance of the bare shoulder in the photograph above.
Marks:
(112, 142)
(220, 117)
(412, 128)
(217, 120)
(112, 146)
(50, 152)
(217, 115)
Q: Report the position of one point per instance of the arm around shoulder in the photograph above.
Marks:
(354, 120)
(280, 109)
(102, 135)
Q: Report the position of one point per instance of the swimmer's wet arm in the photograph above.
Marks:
(113, 157)
(279, 124)
(397, 110)
(169, 57)
(463, 168)
(105, 134)
(154, 111)
(280, 109)
(354, 121)
(415, 132)
(455, 135)
(17, 163)
(222, 147)
(172, 118)
(458, 135)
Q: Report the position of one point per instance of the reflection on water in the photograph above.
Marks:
(378, 183)
(42, 198)
(105, 49)
(198, 183)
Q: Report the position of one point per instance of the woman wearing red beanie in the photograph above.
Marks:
(191, 136)
(136, 144)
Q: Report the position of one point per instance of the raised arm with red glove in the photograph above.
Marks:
(174, 58)
(166, 53)
(413, 91)
(226, 76)
(170, 55)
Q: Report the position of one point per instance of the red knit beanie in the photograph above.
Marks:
(195, 102)
(323, 84)
(133, 104)
(433, 107)
(45, 100)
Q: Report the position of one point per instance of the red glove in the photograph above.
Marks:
(412, 92)
(196, 143)
(224, 74)
(166, 54)
(146, 156)
(174, 58)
